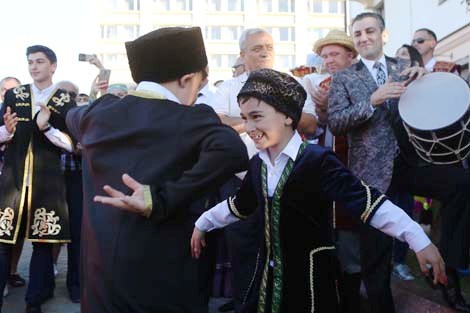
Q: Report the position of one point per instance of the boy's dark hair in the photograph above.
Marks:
(378, 18)
(427, 30)
(50, 55)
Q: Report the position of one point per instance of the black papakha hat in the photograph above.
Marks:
(277, 89)
(166, 54)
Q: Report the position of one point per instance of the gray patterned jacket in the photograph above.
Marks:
(372, 143)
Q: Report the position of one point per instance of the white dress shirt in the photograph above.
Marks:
(225, 99)
(55, 136)
(158, 89)
(205, 95)
(388, 218)
(430, 65)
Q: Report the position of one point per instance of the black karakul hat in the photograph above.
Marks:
(277, 89)
(166, 54)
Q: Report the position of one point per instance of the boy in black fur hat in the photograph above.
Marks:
(294, 184)
(136, 258)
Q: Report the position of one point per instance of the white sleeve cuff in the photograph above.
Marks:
(59, 139)
(218, 216)
(4, 134)
(394, 222)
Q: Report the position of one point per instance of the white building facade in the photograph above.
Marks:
(294, 24)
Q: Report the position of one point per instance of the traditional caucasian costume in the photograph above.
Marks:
(132, 263)
(296, 266)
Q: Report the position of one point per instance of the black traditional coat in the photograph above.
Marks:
(304, 228)
(44, 200)
(130, 263)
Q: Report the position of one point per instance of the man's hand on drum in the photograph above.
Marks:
(413, 73)
(389, 90)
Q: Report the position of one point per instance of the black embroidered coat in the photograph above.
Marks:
(130, 263)
(44, 200)
(305, 228)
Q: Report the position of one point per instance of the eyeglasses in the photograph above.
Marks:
(418, 40)
(235, 67)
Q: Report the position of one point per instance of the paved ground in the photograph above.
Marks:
(14, 302)
(410, 297)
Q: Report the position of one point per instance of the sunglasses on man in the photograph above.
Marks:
(418, 41)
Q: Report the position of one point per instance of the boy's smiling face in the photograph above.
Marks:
(268, 128)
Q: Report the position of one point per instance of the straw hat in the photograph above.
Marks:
(335, 37)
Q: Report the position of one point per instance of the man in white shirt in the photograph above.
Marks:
(32, 185)
(425, 41)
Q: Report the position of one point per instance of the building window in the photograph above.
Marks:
(119, 32)
(286, 5)
(281, 33)
(234, 5)
(214, 5)
(226, 33)
(114, 60)
(317, 33)
(162, 5)
(182, 5)
(285, 61)
(215, 61)
(266, 5)
(333, 6)
(222, 60)
(213, 33)
(276, 6)
(231, 32)
(173, 5)
(315, 6)
(225, 5)
(123, 5)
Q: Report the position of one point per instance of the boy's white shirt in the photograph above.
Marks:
(388, 218)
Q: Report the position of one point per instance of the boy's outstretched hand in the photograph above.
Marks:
(430, 255)
(198, 241)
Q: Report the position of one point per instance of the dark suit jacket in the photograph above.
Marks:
(131, 263)
(372, 143)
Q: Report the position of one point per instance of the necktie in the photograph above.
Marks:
(380, 75)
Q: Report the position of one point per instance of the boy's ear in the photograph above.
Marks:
(185, 79)
(288, 121)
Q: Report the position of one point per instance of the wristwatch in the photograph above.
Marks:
(46, 129)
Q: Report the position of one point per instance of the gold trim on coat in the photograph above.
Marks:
(147, 94)
(311, 273)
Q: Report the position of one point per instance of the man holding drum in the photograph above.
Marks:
(363, 103)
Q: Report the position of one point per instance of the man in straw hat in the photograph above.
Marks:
(363, 103)
(164, 152)
(338, 52)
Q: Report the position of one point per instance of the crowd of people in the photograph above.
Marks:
(283, 193)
